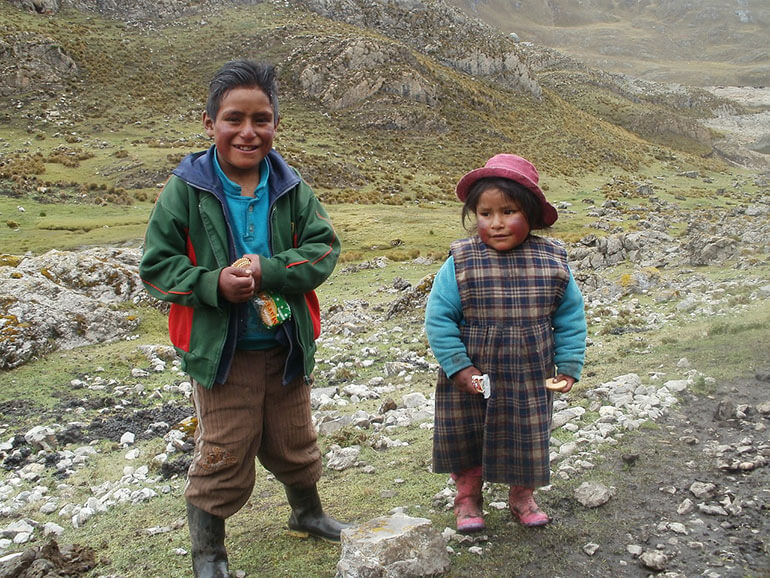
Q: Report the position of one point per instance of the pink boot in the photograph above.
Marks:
(469, 500)
(523, 507)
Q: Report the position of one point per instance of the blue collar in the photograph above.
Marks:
(234, 189)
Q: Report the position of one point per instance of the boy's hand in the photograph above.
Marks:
(236, 284)
(256, 270)
(234, 290)
(462, 379)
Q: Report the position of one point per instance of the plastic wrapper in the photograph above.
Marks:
(481, 384)
(273, 309)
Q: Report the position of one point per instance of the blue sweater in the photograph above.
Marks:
(444, 316)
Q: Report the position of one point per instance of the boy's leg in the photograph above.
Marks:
(221, 475)
(289, 450)
(289, 446)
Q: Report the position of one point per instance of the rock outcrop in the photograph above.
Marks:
(28, 61)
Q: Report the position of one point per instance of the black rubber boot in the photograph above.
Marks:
(207, 534)
(308, 518)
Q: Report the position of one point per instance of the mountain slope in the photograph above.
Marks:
(383, 102)
(700, 43)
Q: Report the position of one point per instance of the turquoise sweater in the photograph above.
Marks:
(444, 316)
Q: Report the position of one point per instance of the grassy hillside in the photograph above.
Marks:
(106, 138)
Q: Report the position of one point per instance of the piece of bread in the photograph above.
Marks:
(242, 263)
(554, 385)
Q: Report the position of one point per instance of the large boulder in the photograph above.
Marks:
(65, 300)
(395, 546)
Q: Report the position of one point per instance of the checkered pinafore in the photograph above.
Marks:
(508, 299)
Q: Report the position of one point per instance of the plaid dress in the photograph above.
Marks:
(507, 301)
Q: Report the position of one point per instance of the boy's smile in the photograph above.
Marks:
(243, 133)
(501, 223)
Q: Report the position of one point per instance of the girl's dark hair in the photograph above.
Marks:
(242, 73)
(526, 199)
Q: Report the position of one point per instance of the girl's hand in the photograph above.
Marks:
(236, 285)
(569, 382)
(462, 379)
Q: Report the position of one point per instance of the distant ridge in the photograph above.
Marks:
(703, 43)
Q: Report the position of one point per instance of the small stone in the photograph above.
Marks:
(654, 560)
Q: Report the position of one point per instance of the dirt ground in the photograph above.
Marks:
(701, 440)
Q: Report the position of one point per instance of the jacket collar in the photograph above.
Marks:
(197, 170)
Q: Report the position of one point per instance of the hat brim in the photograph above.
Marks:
(549, 211)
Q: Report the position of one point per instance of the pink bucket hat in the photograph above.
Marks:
(517, 169)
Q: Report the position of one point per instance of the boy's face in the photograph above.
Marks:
(501, 223)
(243, 131)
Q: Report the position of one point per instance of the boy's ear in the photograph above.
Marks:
(208, 124)
(277, 121)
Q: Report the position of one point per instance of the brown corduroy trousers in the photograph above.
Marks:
(251, 415)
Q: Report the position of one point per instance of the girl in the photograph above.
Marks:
(504, 304)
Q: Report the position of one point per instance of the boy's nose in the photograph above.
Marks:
(248, 129)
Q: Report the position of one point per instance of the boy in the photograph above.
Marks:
(251, 383)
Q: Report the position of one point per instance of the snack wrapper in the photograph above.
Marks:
(273, 309)
(481, 384)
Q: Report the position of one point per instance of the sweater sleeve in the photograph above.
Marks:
(569, 331)
(443, 318)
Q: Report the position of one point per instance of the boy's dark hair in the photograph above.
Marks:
(529, 204)
(242, 73)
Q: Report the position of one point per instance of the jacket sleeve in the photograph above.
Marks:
(443, 318)
(569, 331)
(312, 253)
(168, 268)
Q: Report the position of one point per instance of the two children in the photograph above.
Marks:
(251, 382)
(504, 304)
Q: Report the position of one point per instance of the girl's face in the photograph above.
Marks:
(243, 131)
(500, 221)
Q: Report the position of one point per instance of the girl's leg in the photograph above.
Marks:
(524, 508)
(468, 501)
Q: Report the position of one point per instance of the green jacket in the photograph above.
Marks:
(188, 242)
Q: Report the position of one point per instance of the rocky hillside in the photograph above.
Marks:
(388, 72)
(702, 43)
